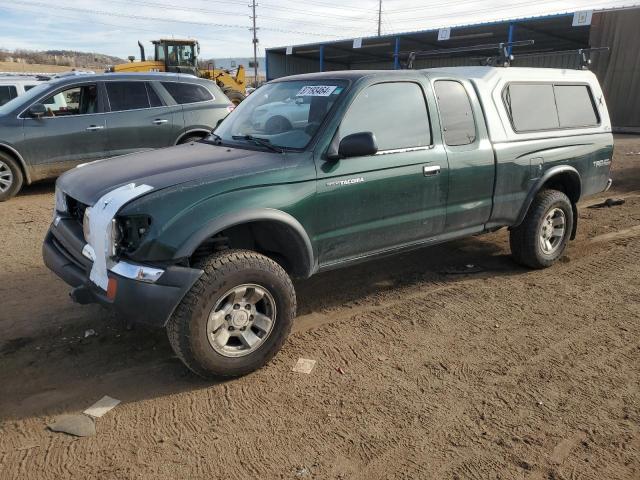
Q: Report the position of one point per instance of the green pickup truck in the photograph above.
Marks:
(319, 171)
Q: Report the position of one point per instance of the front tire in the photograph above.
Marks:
(236, 316)
(542, 237)
(10, 177)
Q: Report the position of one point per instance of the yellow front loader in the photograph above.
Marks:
(181, 56)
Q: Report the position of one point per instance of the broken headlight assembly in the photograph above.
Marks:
(128, 232)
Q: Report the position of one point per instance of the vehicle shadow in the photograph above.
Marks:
(41, 187)
(49, 367)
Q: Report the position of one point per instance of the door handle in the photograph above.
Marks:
(159, 121)
(93, 128)
(431, 170)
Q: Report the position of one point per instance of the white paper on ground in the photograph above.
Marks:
(304, 365)
(100, 216)
(102, 406)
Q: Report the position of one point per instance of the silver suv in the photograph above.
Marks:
(77, 119)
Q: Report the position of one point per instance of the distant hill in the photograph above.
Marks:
(63, 58)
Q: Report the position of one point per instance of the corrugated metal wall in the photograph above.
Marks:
(619, 70)
(284, 65)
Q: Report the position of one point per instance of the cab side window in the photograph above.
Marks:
(79, 100)
(396, 113)
(458, 125)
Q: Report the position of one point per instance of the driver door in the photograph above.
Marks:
(391, 199)
(72, 131)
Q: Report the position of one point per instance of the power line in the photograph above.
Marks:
(157, 19)
(466, 13)
(233, 14)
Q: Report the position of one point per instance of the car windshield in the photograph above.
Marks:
(26, 98)
(282, 114)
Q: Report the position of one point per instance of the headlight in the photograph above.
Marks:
(61, 201)
(86, 228)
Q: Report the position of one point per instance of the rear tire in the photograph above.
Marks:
(234, 96)
(277, 124)
(191, 138)
(542, 237)
(11, 178)
(236, 316)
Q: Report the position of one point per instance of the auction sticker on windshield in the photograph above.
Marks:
(316, 91)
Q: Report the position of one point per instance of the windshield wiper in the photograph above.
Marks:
(217, 139)
(258, 141)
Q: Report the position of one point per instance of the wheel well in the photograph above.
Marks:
(273, 239)
(196, 133)
(565, 182)
(12, 154)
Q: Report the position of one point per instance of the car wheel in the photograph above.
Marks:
(234, 96)
(277, 124)
(235, 317)
(541, 239)
(189, 139)
(10, 177)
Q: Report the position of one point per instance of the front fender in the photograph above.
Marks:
(229, 220)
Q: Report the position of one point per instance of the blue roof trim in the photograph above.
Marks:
(392, 36)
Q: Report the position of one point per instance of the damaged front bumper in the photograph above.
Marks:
(143, 294)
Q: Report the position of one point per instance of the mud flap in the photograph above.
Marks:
(574, 230)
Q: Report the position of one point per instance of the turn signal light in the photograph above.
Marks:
(112, 288)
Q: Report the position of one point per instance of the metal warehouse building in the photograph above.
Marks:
(557, 39)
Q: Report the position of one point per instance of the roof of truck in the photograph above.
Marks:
(488, 74)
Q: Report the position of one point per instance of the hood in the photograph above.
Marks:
(164, 168)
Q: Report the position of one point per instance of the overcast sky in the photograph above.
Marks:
(222, 27)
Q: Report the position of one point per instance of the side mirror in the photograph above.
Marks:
(37, 110)
(358, 145)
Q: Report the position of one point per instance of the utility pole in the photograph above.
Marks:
(255, 43)
(379, 17)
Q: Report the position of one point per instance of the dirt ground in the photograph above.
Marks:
(421, 373)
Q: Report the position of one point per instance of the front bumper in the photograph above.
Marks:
(147, 301)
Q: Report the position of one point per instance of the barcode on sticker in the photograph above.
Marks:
(316, 91)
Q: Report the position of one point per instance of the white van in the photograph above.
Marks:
(12, 86)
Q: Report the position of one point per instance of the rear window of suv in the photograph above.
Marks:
(187, 92)
(7, 92)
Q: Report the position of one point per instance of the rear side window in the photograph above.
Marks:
(127, 95)
(187, 92)
(154, 99)
(458, 124)
(545, 106)
(531, 107)
(7, 92)
(575, 106)
(396, 113)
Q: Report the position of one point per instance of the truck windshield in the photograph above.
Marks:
(284, 114)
